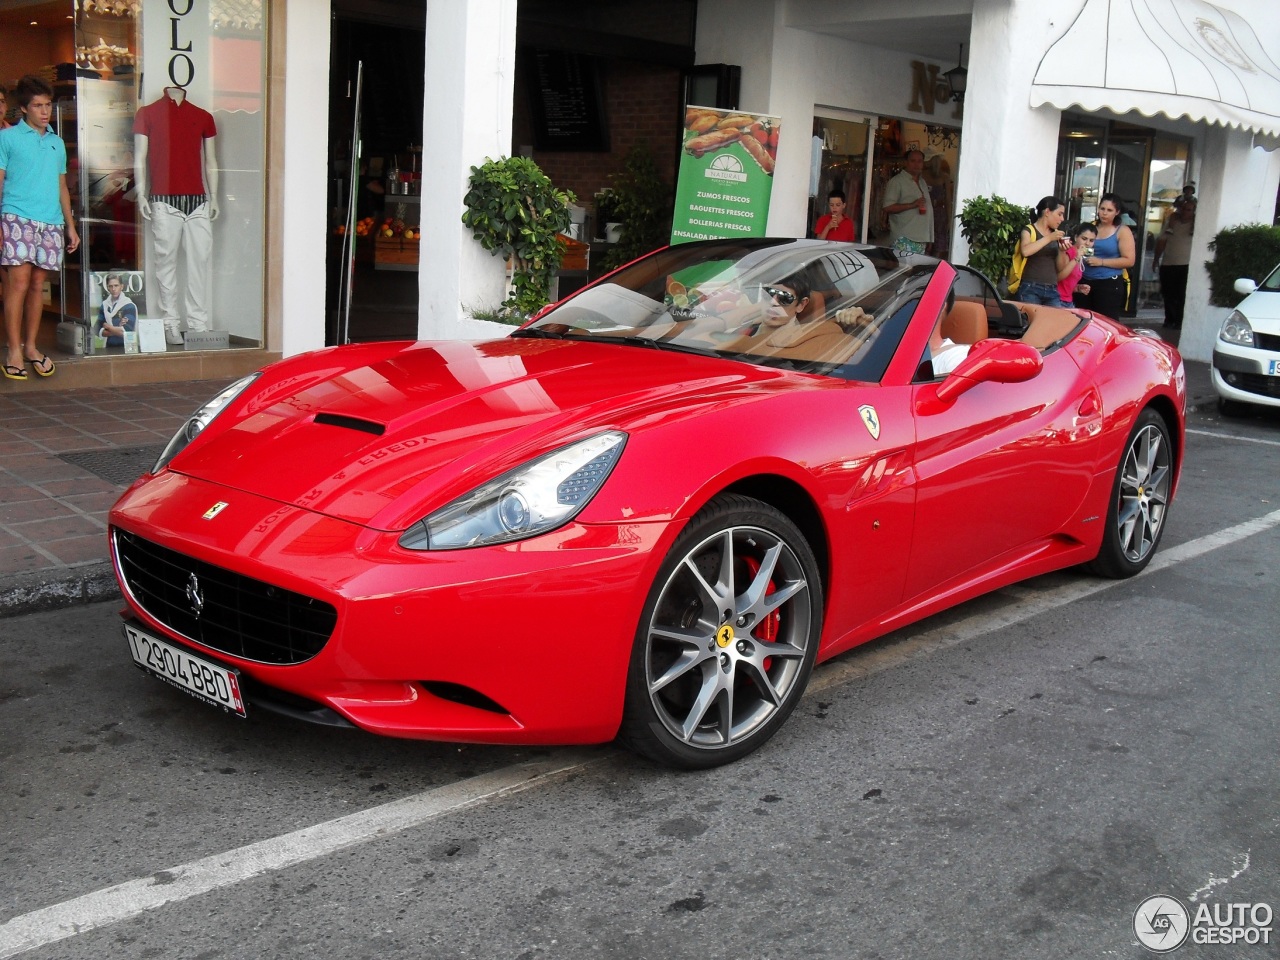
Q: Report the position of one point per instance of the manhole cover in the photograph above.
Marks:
(119, 465)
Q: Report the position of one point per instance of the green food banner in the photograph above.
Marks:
(726, 174)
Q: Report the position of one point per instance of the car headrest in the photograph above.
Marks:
(816, 308)
(965, 323)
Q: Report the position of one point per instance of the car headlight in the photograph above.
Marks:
(1236, 329)
(201, 419)
(531, 499)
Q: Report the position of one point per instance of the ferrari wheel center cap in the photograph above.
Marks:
(724, 636)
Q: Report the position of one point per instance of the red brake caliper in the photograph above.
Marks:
(767, 630)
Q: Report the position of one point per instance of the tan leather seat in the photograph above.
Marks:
(966, 322)
(1047, 325)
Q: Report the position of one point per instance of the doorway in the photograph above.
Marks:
(859, 153)
(384, 288)
(1142, 166)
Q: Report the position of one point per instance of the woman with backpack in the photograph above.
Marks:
(1044, 257)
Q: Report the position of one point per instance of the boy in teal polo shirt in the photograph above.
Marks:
(34, 208)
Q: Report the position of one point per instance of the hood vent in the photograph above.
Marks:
(351, 423)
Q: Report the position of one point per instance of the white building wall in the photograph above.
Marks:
(306, 151)
(1241, 190)
(1006, 147)
(470, 79)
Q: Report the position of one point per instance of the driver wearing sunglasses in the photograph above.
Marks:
(785, 330)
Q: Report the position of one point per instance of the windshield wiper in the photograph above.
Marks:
(632, 341)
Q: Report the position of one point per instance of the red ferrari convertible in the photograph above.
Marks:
(645, 514)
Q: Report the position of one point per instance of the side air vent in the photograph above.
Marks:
(467, 696)
(351, 423)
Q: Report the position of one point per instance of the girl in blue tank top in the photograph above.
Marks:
(1113, 254)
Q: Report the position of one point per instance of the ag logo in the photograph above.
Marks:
(1161, 923)
(870, 419)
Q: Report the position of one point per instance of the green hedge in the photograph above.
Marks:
(1249, 250)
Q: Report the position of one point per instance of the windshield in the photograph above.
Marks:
(832, 308)
(1272, 282)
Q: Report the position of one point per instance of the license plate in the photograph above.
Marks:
(201, 678)
(1273, 368)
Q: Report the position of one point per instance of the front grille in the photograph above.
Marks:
(1266, 341)
(1254, 383)
(221, 609)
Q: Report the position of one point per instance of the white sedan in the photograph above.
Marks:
(1246, 355)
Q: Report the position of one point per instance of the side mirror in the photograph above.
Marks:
(1245, 285)
(989, 361)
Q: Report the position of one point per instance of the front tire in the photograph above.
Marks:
(727, 639)
(1139, 500)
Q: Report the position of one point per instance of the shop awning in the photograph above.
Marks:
(1179, 58)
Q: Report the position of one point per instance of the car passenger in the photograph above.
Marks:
(945, 354)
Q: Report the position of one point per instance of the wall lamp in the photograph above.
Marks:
(958, 78)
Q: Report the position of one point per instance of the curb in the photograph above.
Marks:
(40, 591)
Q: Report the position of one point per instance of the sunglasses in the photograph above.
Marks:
(784, 298)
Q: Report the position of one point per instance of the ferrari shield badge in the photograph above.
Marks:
(871, 420)
(221, 505)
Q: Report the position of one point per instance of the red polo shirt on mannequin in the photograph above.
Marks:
(175, 135)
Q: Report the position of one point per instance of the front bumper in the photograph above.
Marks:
(526, 642)
(1239, 373)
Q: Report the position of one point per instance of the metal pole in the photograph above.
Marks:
(349, 237)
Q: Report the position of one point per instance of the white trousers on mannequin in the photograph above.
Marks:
(189, 236)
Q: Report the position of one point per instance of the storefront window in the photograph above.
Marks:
(166, 165)
(860, 155)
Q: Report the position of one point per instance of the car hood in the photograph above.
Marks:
(380, 436)
(1262, 309)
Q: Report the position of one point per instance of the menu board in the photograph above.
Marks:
(564, 90)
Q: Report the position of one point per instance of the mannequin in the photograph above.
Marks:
(176, 171)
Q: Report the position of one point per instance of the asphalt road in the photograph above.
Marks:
(1010, 779)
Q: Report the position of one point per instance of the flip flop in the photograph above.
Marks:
(14, 373)
(43, 367)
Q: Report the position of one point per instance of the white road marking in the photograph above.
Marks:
(113, 904)
(866, 661)
(1233, 436)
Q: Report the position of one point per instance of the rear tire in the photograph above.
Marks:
(727, 639)
(1139, 500)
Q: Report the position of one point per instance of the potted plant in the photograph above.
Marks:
(608, 224)
(643, 204)
(513, 209)
(992, 225)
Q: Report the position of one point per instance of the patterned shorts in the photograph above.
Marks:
(29, 241)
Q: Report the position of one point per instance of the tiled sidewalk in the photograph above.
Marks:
(53, 547)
